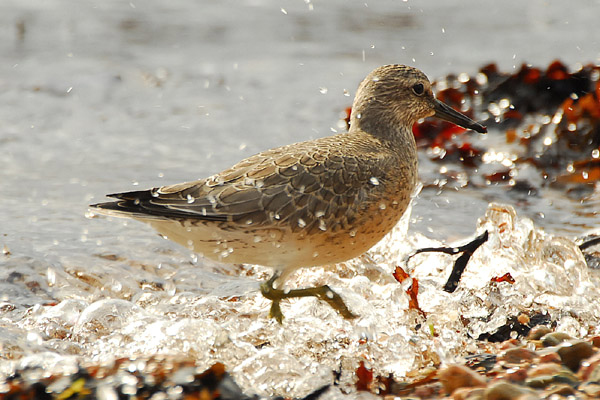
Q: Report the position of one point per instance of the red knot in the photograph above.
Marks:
(306, 204)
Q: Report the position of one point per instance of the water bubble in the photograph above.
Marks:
(322, 225)
(374, 181)
(585, 175)
(301, 223)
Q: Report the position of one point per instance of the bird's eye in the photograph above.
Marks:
(418, 89)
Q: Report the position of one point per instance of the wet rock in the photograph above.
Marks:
(590, 369)
(574, 352)
(468, 394)
(551, 357)
(507, 391)
(545, 369)
(537, 332)
(562, 375)
(555, 338)
(457, 376)
(517, 356)
(592, 389)
(560, 390)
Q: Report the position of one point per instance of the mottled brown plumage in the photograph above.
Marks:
(306, 204)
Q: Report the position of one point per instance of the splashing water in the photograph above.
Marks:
(127, 308)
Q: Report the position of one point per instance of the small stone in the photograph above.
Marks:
(550, 358)
(540, 381)
(561, 376)
(458, 376)
(516, 374)
(538, 332)
(506, 391)
(592, 389)
(545, 369)
(468, 393)
(590, 369)
(573, 353)
(523, 319)
(560, 390)
(555, 338)
(517, 355)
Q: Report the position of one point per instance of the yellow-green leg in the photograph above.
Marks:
(324, 293)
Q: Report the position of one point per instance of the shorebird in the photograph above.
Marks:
(312, 203)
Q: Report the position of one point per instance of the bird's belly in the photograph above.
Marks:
(281, 247)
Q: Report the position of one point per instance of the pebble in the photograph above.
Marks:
(458, 376)
(555, 338)
(572, 353)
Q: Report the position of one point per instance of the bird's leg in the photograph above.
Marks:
(324, 293)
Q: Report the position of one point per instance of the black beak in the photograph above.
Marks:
(447, 113)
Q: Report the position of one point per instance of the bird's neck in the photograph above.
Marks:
(383, 123)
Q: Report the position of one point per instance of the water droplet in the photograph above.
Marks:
(596, 153)
(358, 116)
(258, 239)
(323, 90)
(211, 199)
(315, 254)
(294, 168)
(154, 193)
(329, 294)
(319, 213)
(374, 181)
(190, 199)
(203, 211)
(277, 216)
(352, 233)
(346, 93)
(301, 223)
(382, 206)
(322, 225)
(248, 222)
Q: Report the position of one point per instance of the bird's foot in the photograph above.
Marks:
(324, 293)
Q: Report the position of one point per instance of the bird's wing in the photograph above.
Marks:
(299, 185)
